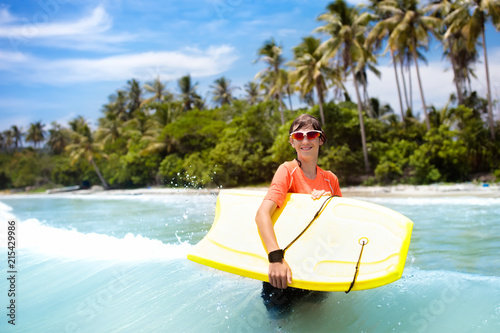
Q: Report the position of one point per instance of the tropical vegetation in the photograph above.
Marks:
(151, 134)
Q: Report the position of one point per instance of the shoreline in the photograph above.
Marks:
(397, 191)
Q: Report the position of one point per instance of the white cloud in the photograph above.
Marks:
(286, 32)
(143, 66)
(6, 16)
(437, 83)
(358, 2)
(99, 21)
(88, 32)
(22, 121)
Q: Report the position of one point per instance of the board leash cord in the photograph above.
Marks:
(363, 241)
(313, 219)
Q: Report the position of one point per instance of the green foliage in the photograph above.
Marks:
(394, 162)
(171, 169)
(194, 131)
(440, 158)
(138, 169)
(345, 163)
(5, 180)
(497, 174)
(198, 170)
(27, 168)
(241, 156)
(481, 154)
(281, 149)
(66, 174)
(242, 144)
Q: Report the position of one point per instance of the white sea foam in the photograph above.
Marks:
(76, 245)
(5, 207)
(5, 217)
(174, 198)
(435, 201)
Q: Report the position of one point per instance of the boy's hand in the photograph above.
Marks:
(280, 274)
(316, 194)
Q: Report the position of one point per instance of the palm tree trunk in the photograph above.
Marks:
(456, 72)
(458, 80)
(410, 86)
(282, 111)
(277, 83)
(407, 100)
(104, 184)
(362, 126)
(427, 122)
(365, 94)
(399, 88)
(490, 107)
(320, 102)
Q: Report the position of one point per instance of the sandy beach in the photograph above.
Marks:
(434, 190)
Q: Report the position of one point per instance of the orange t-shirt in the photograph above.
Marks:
(289, 178)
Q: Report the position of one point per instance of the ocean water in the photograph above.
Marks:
(117, 263)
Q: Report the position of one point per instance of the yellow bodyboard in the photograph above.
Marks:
(325, 257)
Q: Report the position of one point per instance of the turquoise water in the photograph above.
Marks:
(114, 263)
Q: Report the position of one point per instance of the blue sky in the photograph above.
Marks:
(62, 58)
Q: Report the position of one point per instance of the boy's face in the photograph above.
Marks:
(306, 148)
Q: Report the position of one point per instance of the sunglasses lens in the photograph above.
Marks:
(312, 135)
(299, 136)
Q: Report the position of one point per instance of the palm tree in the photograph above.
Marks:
(134, 96)
(455, 48)
(164, 113)
(110, 128)
(84, 146)
(188, 92)
(79, 125)
(405, 60)
(379, 32)
(58, 138)
(252, 90)
(311, 70)
(2, 141)
(159, 91)
(222, 91)
(366, 61)
(271, 54)
(470, 18)
(118, 105)
(461, 59)
(288, 85)
(7, 139)
(411, 30)
(347, 29)
(17, 135)
(142, 125)
(384, 112)
(36, 134)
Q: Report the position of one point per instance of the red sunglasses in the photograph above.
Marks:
(311, 135)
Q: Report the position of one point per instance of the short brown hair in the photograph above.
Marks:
(307, 120)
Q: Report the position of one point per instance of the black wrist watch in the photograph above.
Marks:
(276, 256)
